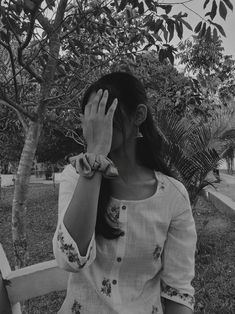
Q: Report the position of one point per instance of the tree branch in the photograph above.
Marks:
(9, 103)
(45, 23)
(23, 46)
(23, 121)
(60, 13)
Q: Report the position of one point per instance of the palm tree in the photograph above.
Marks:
(192, 149)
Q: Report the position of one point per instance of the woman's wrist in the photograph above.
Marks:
(97, 151)
(86, 164)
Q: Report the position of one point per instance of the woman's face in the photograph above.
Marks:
(117, 136)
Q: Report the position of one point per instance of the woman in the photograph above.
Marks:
(125, 229)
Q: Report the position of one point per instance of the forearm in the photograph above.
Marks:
(172, 307)
(80, 216)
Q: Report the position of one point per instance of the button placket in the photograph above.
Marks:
(121, 246)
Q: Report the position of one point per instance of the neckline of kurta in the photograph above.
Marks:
(157, 176)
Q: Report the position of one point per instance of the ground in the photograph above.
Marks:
(214, 280)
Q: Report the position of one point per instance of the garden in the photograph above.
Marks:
(51, 51)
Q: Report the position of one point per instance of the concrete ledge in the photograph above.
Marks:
(221, 202)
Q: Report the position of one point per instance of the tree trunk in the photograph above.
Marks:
(20, 195)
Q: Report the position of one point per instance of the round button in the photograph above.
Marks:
(114, 281)
(122, 234)
(124, 207)
(119, 259)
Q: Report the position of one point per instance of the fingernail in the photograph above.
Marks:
(99, 91)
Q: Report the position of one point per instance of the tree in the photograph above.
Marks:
(215, 73)
(40, 76)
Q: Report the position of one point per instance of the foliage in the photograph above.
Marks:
(192, 149)
(167, 88)
(11, 136)
(214, 71)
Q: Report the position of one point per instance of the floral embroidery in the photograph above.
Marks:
(106, 289)
(154, 310)
(174, 292)
(113, 213)
(157, 252)
(69, 250)
(76, 307)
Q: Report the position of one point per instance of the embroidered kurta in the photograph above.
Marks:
(153, 259)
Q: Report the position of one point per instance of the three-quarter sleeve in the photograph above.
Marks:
(178, 256)
(65, 249)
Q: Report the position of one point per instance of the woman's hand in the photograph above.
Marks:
(98, 126)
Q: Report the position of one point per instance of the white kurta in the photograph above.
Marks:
(154, 257)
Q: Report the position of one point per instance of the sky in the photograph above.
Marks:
(193, 19)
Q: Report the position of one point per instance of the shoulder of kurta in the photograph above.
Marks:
(177, 187)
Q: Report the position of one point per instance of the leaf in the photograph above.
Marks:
(229, 4)
(215, 34)
(171, 57)
(150, 39)
(165, 32)
(205, 4)
(203, 30)
(223, 10)
(179, 29)
(141, 8)
(221, 30)
(29, 5)
(219, 27)
(186, 24)
(162, 55)
(167, 8)
(214, 10)
(208, 33)
(198, 27)
(122, 5)
(158, 24)
(149, 4)
(171, 28)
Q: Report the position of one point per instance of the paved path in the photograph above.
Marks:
(7, 179)
(226, 186)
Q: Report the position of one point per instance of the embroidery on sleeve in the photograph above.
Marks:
(69, 250)
(174, 292)
(154, 310)
(157, 252)
(106, 289)
(76, 307)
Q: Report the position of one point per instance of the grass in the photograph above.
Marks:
(214, 281)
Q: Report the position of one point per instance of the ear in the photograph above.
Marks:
(140, 114)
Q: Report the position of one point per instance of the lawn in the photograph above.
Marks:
(215, 268)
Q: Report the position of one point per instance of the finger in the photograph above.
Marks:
(91, 102)
(112, 108)
(103, 102)
(87, 109)
(95, 103)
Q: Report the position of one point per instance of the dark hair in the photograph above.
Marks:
(130, 92)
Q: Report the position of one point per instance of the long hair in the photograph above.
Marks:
(130, 92)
